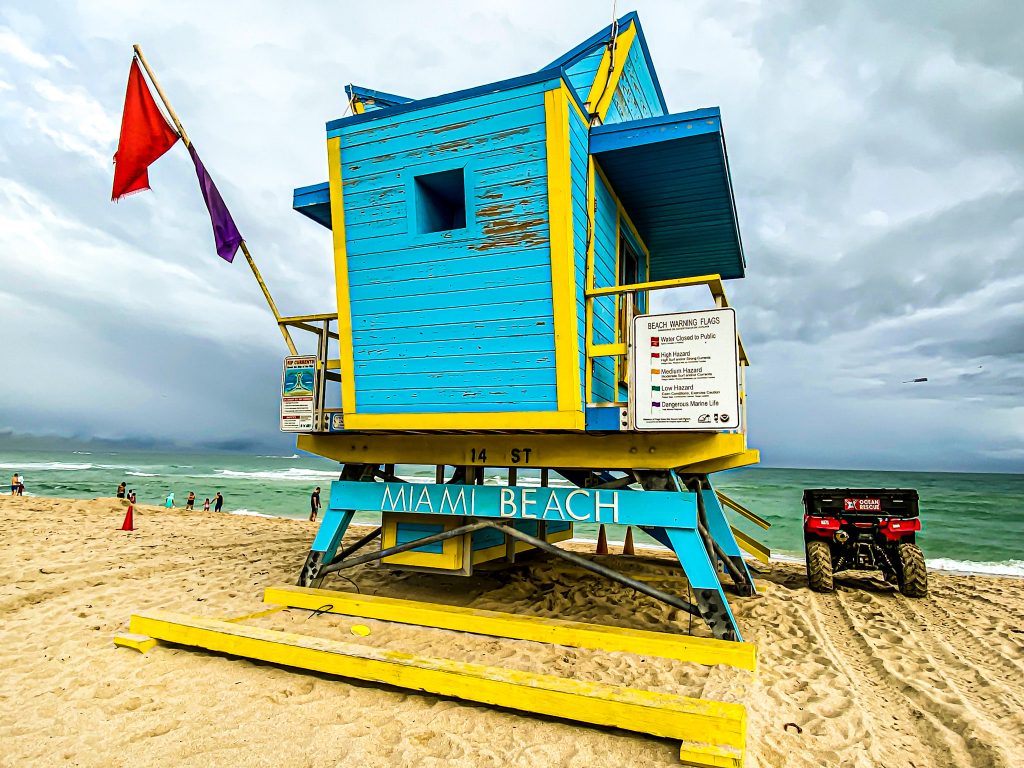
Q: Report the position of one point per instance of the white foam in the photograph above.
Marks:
(290, 474)
(142, 474)
(49, 465)
(252, 513)
(1007, 568)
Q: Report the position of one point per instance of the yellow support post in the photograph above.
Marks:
(140, 643)
(575, 634)
(710, 730)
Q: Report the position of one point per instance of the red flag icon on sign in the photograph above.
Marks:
(145, 137)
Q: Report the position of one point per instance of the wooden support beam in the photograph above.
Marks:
(739, 508)
(140, 643)
(751, 545)
(710, 730)
(700, 650)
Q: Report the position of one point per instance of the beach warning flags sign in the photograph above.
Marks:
(129, 521)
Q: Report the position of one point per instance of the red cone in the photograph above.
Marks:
(602, 542)
(129, 521)
(627, 547)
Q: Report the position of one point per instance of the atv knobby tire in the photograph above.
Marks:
(912, 577)
(819, 566)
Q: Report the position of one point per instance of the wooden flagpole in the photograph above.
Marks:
(245, 250)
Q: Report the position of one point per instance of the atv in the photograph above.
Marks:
(847, 529)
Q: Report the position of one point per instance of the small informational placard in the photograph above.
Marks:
(686, 371)
(298, 393)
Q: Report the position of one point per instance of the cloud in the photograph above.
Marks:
(876, 150)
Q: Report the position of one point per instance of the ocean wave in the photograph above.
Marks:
(47, 465)
(252, 513)
(142, 474)
(292, 473)
(293, 456)
(1006, 568)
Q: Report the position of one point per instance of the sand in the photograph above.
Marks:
(870, 678)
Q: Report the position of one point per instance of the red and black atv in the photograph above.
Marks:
(863, 529)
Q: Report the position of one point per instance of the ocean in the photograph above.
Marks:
(971, 522)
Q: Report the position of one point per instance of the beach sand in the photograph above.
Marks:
(871, 678)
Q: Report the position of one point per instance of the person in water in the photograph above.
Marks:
(219, 502)
(121, 490)
(14, 483)
(190, 502)
(206, 506)
(170, 500)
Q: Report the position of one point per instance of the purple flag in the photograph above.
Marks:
(225, 233)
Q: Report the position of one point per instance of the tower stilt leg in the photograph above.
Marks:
(721, 532)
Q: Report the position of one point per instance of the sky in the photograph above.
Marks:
(877, 158)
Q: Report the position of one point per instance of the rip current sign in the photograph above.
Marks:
(686, 371)
(298, 394)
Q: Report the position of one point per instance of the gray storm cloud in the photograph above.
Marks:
(877, 153)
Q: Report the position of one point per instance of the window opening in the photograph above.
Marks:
(441, 201)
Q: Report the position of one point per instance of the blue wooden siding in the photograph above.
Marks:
(406, 532)
(636, 96)
(603, 383)
(581, 74)
(579, 154)
(456, 321)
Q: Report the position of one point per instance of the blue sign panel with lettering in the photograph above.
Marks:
(579, 505)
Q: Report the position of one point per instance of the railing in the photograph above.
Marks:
(620, 349)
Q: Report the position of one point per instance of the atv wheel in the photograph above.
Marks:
(819, 566)
(913, 574)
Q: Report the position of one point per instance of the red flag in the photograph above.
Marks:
(145, 136)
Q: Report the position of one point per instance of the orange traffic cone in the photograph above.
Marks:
(129, 521)
(627, 547)
(602, 542)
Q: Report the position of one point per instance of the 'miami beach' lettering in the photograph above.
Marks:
(572, 505)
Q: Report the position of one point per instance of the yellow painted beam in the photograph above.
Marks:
(711, 281)
(751, 545)
(609, 71)
(739, 508)
(744, 459)
(563, 284)
(572, 420)
(706, 724)
(575, 634)
(346, 356)
(140, 643)
(603, 350)
(617, 450)
(308, 318)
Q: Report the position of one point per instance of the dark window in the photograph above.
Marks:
(441, 201)
(628, 263)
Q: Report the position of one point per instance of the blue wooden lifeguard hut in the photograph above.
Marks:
(494, 251)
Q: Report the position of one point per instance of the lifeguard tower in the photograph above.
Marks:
(495, 251)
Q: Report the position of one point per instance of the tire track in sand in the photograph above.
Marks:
(879, 698)
(926, 703)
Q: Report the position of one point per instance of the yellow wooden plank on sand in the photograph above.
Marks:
(700, 650)
(717, 725)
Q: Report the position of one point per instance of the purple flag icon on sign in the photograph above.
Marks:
(225, 233)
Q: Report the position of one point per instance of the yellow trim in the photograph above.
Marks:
(452, 550)
(735, 506)
(557, 536)
(140, 643)
(712, 281)
(744, 459)
(357, 107)
(588, 284)
(473, 421)
(605, 350)
(641, 450)
(563, 284)
(605, 82)
(711, 724)
(575, 634)
(347, 359)
(486, 555)
(751, 545)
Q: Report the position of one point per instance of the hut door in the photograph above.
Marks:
(628, 275)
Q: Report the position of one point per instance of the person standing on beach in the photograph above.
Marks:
(206, 506)
(170, 500)
(14, 483)
(219, 502)
(131, 495)
(314, 504)
(21, 485)
(121, 489)
(190, 502)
